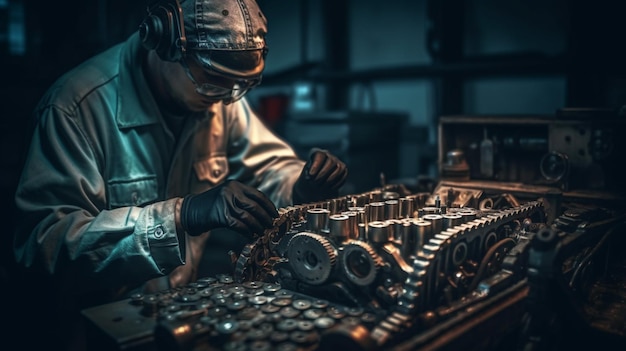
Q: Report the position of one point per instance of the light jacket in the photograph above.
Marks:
(104, 178)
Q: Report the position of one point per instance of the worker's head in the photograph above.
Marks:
(219, 44)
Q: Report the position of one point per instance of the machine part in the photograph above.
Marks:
(339, 227)
(459, 253)
(392, 210)
(455, 197)
(359, 263)
(405, 207)
(451, 220)
(485, 204)
(379, 232)
(540, 325)
(362, 231)
(489, 240)
(352, 223)
(554, 166)
(423, 231)
(376, 211)
(311, 257)
(396, 266)
(430, 210)
(422, 286)
(468, 214)
(492, 260)
(455, 166)
(453, 273)
(436, 222)
(396, 226)
(317, 220)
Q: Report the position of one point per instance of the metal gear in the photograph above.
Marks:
(311, 257)
(359, 262)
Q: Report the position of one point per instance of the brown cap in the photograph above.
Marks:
(227, 36)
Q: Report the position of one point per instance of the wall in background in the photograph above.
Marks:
(380, 36)
(395, 33)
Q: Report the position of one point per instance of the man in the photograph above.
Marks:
(141, 151)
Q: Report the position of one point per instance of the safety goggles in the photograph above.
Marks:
(227, 95)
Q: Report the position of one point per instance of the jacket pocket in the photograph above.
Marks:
(213, 169)
(133, 192)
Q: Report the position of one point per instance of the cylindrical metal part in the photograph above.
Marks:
(366, 208)
(362, 200)
(451, 220)
(405, 207)
(362, 231)
(317, 220)
(396, 229)
(342, 204)
(333, 206)
(407, 241)
(421, 232)
(352, 223)
(376, 211)
(392, 209)
(361, 214)
(467, 214)
(436, 220)
(339, 227)
(405, 229)
(351, 201)
(378, 232)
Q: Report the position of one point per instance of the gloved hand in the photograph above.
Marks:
(320, 179)
(233, 205)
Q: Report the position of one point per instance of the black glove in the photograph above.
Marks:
(233, 205)
(321, 178)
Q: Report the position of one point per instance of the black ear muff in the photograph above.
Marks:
(163, 30)
(150, 32)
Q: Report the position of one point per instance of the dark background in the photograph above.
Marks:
(366, 60)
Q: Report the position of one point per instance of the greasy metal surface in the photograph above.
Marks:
(308, 282)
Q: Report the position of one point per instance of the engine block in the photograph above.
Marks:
(385, 269)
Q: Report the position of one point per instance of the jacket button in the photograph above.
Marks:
(159, 232)
(216, 172)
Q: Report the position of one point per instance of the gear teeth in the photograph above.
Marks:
(328, 247)
(346, 269)
(432, 259)
(419, 287)
(317, 245)
(378, 261)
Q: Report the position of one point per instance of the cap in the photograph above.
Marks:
(227, 36)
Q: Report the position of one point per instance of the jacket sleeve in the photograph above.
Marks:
(65, 227)
(259, 157)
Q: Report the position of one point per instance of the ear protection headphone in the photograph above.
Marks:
(163, 30)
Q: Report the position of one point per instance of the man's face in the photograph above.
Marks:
(184, 91)
(195, 88)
